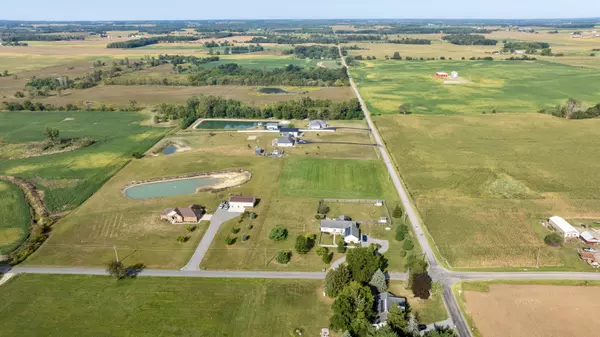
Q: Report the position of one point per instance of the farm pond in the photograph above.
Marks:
(227, 124)
(169, 188)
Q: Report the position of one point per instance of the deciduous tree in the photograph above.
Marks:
(336, 280)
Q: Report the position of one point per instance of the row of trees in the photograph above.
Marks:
(408, 40)
(293, 39)
(28, 105)
(244, 49)
(514, 45)
(219, 107)
(315, 52)
(39, 37)
(469, 39)
(232, 73)
(150, 40)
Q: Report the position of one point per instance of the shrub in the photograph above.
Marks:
(327, 258)
(190, 228)
(397, 213)
(554, 239)
(278, 234)
(235, 230)
(402, 253)
(322, 208)
(137, 155)
(322, 251)
(116, 269)
(182, 239)
(408, 245)
(245, 237)
(341, 246)
(229, 241)
(311, 236)
(301, 245)
(319, 216)
(400, 235)
(252, 215)
(249, 226)
(283, 256)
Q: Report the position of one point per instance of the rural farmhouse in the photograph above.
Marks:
(347, 228)
(385, 302)
(317, 124)
(192, 213)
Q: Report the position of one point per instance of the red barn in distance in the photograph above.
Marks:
(442, 75)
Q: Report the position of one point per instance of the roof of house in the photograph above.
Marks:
(286, 140)
(241, 198)
(339, 224)
(352, 230)
(385, 302)
(192, 211)
(562, 224)
(282, 130)
(168, 211)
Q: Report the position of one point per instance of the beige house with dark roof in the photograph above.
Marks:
(192, 213)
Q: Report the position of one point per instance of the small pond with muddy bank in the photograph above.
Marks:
(187, 184)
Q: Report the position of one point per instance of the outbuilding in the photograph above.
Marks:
(317, 124)
(589, 238)
(272, 126)
(289, 132)
(239, 203)
(441, 74)
(288, 141)
(563, 227)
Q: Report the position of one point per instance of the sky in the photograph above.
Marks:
(285, 9)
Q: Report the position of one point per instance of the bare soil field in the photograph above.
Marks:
(534, 310)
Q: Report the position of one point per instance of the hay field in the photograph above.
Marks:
(61, 305)
(503, 86)
(533, 310)
(15, 217)
(483, 183)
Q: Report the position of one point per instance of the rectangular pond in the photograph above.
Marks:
(225, 124)
(168, 188)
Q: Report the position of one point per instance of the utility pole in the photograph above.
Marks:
(116, 255)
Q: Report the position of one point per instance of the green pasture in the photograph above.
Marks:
(69, 178)
(268, 62)
(357, 179)
(503, 86)
(483, 183)
(57, 305)
(14, 217)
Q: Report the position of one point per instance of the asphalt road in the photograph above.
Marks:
(435, 269)
(216, 220)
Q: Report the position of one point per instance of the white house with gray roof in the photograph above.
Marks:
(347, 228)
(385, 302)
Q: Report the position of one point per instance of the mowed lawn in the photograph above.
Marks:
(54, 305)
(503, 86)
(14, 217)
(483, 183)
(339, 178)
(69, 178)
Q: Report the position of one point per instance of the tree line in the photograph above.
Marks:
(574, 109)
(292, 39)
(39, 37)
(469, 39)
(219, 107)
(410, 41)
(150, 40)
(315, 52)
(526, 45)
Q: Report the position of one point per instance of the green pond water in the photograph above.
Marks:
(220, 125)
(168, 188)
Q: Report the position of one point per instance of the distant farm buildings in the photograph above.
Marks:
(441, 74)
(563, 227)
(288, 141)
(454, 74)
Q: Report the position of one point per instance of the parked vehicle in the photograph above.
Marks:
(588, 249)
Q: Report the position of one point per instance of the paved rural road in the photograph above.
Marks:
(217, 219)
(435, 269)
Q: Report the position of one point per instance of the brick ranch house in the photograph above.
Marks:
(192, 213)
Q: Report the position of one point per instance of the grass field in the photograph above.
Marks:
(503, 86)
(69, 178)
(53, 305)
(14, 217)
(333, 178)
(427, 311)
(483, 183)
(522, 309)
